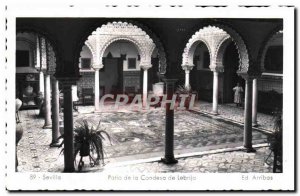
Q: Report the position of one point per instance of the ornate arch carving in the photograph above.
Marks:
(188, 54)
(220, 52)
(48, 59)
(214, 37)
(54, 60)
(126, 38)
(51, 58)
(23, 39)
(103, 36)
(90, 47)
(268, 43)
(159, 45)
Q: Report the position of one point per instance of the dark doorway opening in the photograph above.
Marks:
(113, 70)
(230, 77)
(201, 77)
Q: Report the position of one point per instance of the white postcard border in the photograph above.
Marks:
(99, 181)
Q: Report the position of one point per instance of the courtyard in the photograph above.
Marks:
(202, 142)
(94, 97)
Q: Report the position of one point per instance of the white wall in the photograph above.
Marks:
(124, 47)
(116, 48)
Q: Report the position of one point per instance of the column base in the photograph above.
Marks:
(55, 144)
(47, 127)
(248, 149)
(69, 170)
(255, 124)
(169, 160)
(214, 113)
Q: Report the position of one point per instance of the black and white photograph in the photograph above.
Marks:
(149, 97)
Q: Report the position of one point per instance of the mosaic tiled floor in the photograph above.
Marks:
(225, 162)
(135, 135)
(236, 114)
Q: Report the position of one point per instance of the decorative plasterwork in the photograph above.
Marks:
(277, 35)
(216, 40)
(41, 37)
(187, 67)
(90, 47)
(220, 50)
(103, 36)
(48, 57)
(51, 59)
(43, 53)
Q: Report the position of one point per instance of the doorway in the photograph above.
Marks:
(111, 76)
(230, 77)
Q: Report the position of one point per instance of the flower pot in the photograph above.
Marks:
(85, 149)
(158, 89)
(28, 91)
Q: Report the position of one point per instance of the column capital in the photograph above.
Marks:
(50, 72)
(217, 69)
(41, 69)
(98, 67)
(247, 76)
(187, 67)
(68, 81)
(146, 67)
(187, 71)
(253, 71)
(169, 81)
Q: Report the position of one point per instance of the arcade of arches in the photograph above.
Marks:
(72, 58)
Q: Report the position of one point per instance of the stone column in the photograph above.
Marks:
(248, 116)
(55, 113)
(254, 101)
(187, 69)
(169, 129)
(68, 128)
(97, 91)
(187, 78)
(215, 93)
(41, 82)
(47, 102)
(39, 65)
(145, 86)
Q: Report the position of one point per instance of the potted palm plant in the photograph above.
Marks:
(184, 90)
(88, 142)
